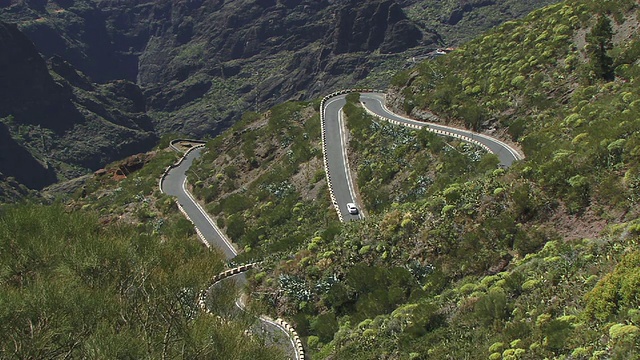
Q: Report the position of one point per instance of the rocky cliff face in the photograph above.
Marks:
(55, 123)
(204, 62)
(382, 25)
(200, 64)
(459, 21)
(239, 55)
(26, 88)
(79, 32)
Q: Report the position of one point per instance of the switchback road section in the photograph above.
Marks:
(174, 183)
(375, 103)
(335, 141)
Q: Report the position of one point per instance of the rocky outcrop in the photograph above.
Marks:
(21, 165)
(27, 90)
(272, 51)
(466, 6)
(373, 25)
(80, 32)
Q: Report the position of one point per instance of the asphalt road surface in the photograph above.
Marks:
(336, 142)
(175, 184)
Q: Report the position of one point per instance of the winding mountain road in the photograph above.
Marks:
(336, 157)
(375, 103)
(335, 141)
(174, 183)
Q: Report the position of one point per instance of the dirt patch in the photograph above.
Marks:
(625, 31)
(588, 225)
(303, 180)
(580, 39)
(622, 33)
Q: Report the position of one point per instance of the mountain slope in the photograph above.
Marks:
(457, 258)
(537, 261)
(202, 63)
(55, 123)
(569, 120)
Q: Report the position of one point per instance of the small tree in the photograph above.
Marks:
(599, 42)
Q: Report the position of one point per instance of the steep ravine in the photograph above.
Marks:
(203, 63)
(55, 123)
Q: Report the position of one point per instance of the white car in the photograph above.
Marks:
(352, 208)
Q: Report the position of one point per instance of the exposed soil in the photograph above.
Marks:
(303, 180)
(588, 225)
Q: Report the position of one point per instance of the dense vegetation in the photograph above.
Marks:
(114, 274)
(577, 128)
(264, 180)
(456, 259)
(459, 259)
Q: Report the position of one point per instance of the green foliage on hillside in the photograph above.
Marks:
(574, 298)
(457, 258)
(72, 287)
(532, 311)
(536, 79)
(263, 180)
(336, 275)
(417, 162)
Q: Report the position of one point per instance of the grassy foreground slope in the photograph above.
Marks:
(458, 259)
(114, 273)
